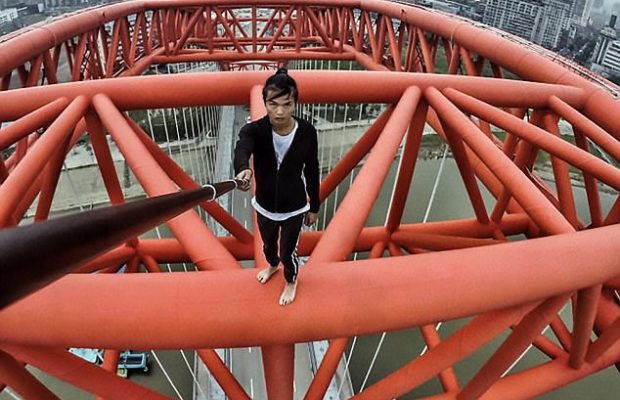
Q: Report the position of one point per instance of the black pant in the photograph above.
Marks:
(288, 232)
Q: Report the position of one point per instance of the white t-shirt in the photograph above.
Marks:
(281, 144)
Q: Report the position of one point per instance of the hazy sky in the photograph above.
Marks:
(606, 4)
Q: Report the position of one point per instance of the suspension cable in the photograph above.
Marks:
(374, 358)
(193, 375)
(166, 375)
(428, 210)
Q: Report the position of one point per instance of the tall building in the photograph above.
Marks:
(520, 17)
(541, 21)
(607, 51)
(8, 15)
(65, 3)
(581, 11)
(555, 19)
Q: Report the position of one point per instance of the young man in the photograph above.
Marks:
(284, 148)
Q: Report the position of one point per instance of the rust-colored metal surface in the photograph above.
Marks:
(79, 74)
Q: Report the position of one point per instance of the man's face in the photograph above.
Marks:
(280, 109)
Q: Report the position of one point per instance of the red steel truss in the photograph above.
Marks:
(513, 287)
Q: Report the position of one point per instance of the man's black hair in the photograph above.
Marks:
(282, 83)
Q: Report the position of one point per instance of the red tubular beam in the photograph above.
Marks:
(511, 225)
(257, 105)
(587, 127)
(469, 179)
(533, 202)
(113, 257)
(24, 47)
(282, 24)
(322, 378)
(594, 200)
(197, 89)
(357, 204)
(602, 111)
(104, 158)
(354, 155)
(229, 32)
(447, 377)
(20, 149)
(609, 338)
(482, 171)
(614, 214)
(407, 167)
(583, 322)
(326, 371)
(556, 374)
(222, 375)
(28, 123)
(319, 27)
(150, 263)
(521, 337)
(538, 137)
(548, 347)
(561, 332)
(395, 251)
(364, 60)
(377, 250)
(560, 173)
(450, 351)
(110, 363)
(236, 56)
(139, 304)
(279, 365)
(4, 172)
(110, 360)
(523, 154)
(607, 314)
(27, 201)
(170, 250)
(199, 242)
(51, 176)
(188, 29)
(21, 381)
(439, 242)
(18, 182)
(77, 372)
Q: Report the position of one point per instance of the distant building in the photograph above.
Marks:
(581, 11)
(555, 19)
(66, 3)
(539, 21)
(471, 9)
(8, 15)
(607, 51)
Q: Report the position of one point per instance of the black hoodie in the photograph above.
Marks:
(281, 190)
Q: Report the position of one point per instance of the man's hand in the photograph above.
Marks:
(245, 177)
(311, 218)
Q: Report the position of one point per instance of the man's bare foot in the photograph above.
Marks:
(264, 275)
(288, 294)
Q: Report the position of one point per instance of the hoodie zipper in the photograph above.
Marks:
(278, 165)
(277, 180)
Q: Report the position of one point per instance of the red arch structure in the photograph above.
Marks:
(434, 272)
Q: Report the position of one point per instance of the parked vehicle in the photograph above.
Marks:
(127, 360)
